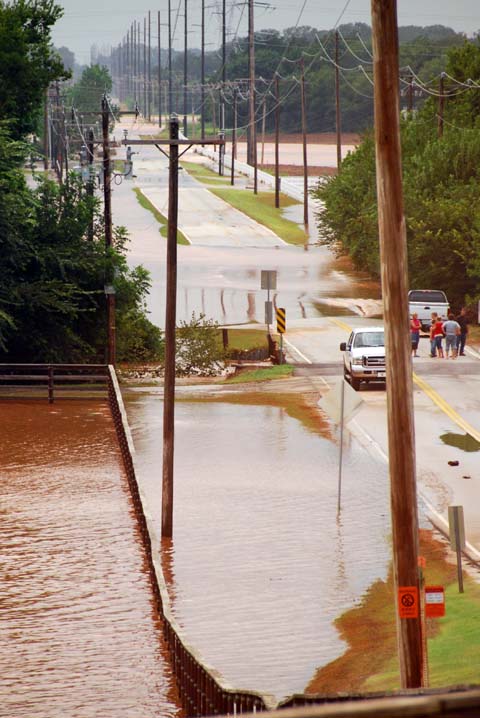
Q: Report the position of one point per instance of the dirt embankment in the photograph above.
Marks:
(313, 138)
(370, 629)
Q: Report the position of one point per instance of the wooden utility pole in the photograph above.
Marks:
(251, 96)
(170, 323)
(149, 64)
(145, 109)
(202, 73)
(159, 70)
(107, 196)
(441, 104)
(393, 257)
(139, 64)
(91, 182)
(185, 69)
(170, 315)
(264, 117)
(277, 141)
(234, 137)
(255, 155)
(338, 118)
(107, 192)
(170, 75)
(410, 95)
(304, 142)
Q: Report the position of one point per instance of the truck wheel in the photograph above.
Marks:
(355, 383)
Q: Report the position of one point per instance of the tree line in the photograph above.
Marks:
(441, 174)
(53, 262)
(423, 49)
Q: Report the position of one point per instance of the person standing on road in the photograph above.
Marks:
(437, 336)
(433, 350)
(415, 326)
(462, 337)
(451, 329)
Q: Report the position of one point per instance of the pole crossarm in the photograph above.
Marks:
(190, 143)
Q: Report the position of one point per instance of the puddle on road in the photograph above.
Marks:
(259, 567)
(79, 635)
(465, 442)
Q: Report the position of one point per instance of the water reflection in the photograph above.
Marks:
(259, 568)
(79, 635)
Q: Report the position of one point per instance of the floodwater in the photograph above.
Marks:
(79, 635)
(259, 566)
(461, 441)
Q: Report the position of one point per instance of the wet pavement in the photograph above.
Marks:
(260, 566)
(79, 634)
(216, 277)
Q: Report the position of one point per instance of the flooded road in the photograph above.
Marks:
(79, 635)
(259, 566)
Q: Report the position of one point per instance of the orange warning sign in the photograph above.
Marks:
(434, 601)
(408, 602)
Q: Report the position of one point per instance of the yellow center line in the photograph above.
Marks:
(432, 394)
(445, 407)
(341, 324)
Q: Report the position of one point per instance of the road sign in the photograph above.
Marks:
(457, 527)
(268, 279)
(408, 602)
(268, 312)
(434, 601)
(281, 320)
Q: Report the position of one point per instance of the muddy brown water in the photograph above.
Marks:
(79, 634)
(259, 566)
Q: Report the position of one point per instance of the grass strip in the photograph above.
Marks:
(161, 219)
(261, 208)
(245, 339)
(371, 662)
(203, 174)
(282, 371)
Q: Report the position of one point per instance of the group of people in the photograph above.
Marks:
(454, 330)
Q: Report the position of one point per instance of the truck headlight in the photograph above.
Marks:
(358, 361)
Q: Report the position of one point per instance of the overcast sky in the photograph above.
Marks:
(106, 22)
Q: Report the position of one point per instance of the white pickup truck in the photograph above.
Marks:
(425, 301)
(364, 356)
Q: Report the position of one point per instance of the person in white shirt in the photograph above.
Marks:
(452, 329)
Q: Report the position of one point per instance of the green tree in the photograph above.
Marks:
(197, 347)
(87, 93)
(28, 63)
(441, 178)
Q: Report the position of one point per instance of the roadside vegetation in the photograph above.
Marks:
(261, 208)
(204, 174)
(161, 219)
(53, 261)
(371, 662)
(441, 177)
(280, 371)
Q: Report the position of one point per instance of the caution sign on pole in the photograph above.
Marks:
(281, 320)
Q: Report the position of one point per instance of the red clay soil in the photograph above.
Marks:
(313, 138)
(297, 170)
(370, 631)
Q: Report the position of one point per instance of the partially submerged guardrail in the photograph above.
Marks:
(202, 689)
(53, 377)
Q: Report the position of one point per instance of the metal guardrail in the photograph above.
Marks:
(53, 376)
(458, 702)
(202, 690)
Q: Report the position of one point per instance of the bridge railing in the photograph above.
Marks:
(53, 377)
(202, 690)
